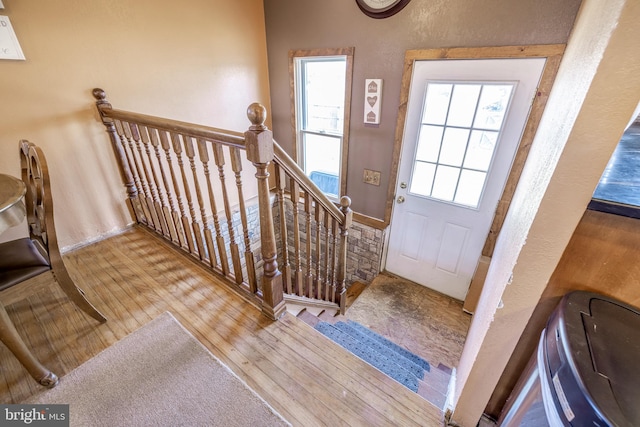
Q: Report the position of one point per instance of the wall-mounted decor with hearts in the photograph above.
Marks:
(372, 100)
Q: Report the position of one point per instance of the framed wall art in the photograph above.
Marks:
(372, 100)
(9, 46)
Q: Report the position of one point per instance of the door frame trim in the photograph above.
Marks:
(553, 54)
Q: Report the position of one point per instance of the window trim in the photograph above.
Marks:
(347, 52)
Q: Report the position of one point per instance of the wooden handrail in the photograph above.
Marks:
(222, 136)
(293, 170)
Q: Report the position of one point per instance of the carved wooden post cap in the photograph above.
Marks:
(99, 94)
(257, 114)
(345, 202)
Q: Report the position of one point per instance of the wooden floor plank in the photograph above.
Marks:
(132, 278)
(45, 312)
(189, 299)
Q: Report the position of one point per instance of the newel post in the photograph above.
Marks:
(132, 192)
(259, 144)
(341, 292)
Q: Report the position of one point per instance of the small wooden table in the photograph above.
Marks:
(12, 212)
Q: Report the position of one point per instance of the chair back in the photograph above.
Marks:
(38, 200)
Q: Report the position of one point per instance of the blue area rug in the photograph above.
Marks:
(395, 361)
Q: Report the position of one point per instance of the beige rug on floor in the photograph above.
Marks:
(160, 375)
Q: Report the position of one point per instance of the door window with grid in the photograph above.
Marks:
(459, 132)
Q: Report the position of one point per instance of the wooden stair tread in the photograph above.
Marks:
(308, 318)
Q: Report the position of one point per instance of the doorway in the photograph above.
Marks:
(464, 122)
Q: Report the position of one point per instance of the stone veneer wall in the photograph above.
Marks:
(365, 252)
(364, 244)
(253, 228)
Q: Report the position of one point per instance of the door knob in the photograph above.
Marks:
(400, 199)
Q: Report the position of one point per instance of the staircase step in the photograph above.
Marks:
(328, 315)
(404, 352)
(315, 310)
(383, 348)
(434, 394)
(294, 309)
(366, 353)
(308, 318)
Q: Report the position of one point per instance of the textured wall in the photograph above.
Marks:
(201, 61)
(379, 53)
(596, 90)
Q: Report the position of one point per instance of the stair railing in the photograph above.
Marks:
(169, 171)
(317, 269)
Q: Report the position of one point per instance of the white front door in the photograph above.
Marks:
(464, 122)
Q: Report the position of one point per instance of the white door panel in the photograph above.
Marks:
(464, 122)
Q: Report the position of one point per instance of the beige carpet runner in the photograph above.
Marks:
(159, 375)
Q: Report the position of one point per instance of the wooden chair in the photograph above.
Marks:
(31, 256)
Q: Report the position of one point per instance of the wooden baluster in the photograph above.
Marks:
(129, 153)
(218, 156)
(147, 184)
(177, 148)
(236, 165)
(259, 143)
(138, 172)
(281, 183)
(168, 214)
(327, 246)
(156, 189)
(298, 275)
(117, 145)
(334, 259)
(197, 228)
(166, 146)
(318, 253)
(204, 158)
(307, 212)
(340, 295)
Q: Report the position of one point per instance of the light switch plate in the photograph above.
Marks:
(371, 177)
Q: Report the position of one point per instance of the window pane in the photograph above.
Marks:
(481, 147)
(453, 146)
(493, 106)
(429, 143)
(322, 161)
(458, 137)
(436, 103)
(324, 84)
(445, 183)
(463, 105)
(422, 179)
(470, 188)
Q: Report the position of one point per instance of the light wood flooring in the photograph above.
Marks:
(132, 278)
